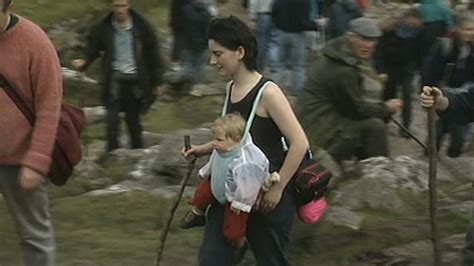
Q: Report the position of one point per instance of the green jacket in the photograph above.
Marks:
(149, 62)
(333, 99)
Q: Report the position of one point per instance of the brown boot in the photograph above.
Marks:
(191, 220)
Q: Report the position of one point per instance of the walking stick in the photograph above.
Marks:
(406, 130)
(164, 232)
(432, 152)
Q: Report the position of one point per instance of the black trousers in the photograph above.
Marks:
(400, 77)
(124, 100)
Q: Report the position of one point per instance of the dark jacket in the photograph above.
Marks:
(342, 12)
(398, 48)
(147, 55)
(461, 106)
(197, 21)
(292, 15)
(332, 100)
(444, 64)
(177, 17)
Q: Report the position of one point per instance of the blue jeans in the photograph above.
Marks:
(291, 53)
(30, 212)
(192, 71)
(266, 34)
(268, 235)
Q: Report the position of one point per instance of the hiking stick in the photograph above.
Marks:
(432, 152)
(164, 232)
(406, 130)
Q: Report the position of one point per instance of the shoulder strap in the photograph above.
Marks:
(254, 107)
(16, 98)
(227, 98)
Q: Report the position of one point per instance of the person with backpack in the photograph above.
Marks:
(452, 65)
(457, 107)
(437, 22)
(132, 69)
(30, 66)
(397, 59)
(233, 50)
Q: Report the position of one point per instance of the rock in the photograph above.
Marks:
(376, 182)
(344, 217)
(95, 114)
(169, 161)
(122, 187)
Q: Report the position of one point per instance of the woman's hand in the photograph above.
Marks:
(267, 201)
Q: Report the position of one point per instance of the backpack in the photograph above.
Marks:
(67, 150)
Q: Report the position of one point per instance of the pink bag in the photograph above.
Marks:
(311, 212)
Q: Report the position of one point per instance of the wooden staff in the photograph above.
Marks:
(184, 181)
(432, 153)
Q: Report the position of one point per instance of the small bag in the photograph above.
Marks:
(67, 149)
(311, 212)
(311, 180)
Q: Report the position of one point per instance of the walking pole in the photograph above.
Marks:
(164, 232)
(406, 130)
(432, 152)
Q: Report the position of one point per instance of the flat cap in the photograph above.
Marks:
(365, 27)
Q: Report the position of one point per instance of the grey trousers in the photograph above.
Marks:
(468, 252)
(30, 213)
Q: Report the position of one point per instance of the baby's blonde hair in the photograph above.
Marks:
(230, 126)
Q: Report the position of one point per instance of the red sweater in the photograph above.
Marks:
(30, 64)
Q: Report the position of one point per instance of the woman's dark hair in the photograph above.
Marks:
(6, 4)
(232, 33)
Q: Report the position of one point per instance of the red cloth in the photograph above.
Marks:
(31, 65)
(203, 195)
(363, 4)
(234, 226)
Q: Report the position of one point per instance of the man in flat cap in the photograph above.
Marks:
(332, 106)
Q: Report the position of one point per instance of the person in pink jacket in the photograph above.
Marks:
(31, 66)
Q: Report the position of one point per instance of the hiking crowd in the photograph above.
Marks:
(247, 198)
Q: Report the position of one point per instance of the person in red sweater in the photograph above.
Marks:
(31, 66)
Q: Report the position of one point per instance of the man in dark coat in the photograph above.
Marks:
(132, 68)
(458, 107)
(452, 65)
(332, 107)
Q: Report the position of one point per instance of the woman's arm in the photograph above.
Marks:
(276, 106)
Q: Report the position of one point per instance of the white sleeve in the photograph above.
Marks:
(247, 179)
(205, 171)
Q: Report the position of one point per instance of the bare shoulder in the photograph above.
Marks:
(273, 93)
